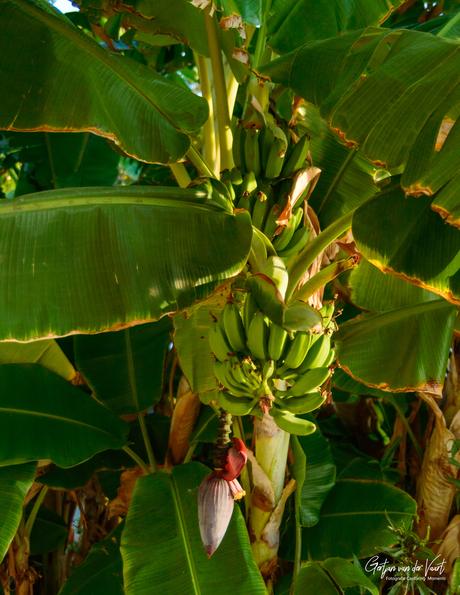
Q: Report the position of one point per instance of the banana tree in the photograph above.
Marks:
(199, 203)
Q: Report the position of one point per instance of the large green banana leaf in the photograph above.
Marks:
(97, 90)
(191, 332)
(332, 577)
(15, 482)
(101, 572)
(405, 237)
(401, 350)
(353, 520)
(125, 369)
(45, 417)
(165, 554)
(378, 292)
(88, 260)
(62, 160)
(314, 472)
(294, 22)
(49, 531)
(375, 88)
(346, 179)
(47, 353)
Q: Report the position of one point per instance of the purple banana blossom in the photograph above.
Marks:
(216, 497)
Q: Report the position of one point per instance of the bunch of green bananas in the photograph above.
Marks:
(266, 160)
(255, 358)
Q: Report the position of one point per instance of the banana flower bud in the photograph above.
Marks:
(216, 497)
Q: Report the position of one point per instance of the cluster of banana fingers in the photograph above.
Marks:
(260, 366)
(266, 160)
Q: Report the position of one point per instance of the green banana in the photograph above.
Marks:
(299, 240)
(239, 137)
(275, 159)
(250, 307)
(309, 382)
(298, 405)
(250, 371)
(317, 354)
(330, 358)
(298, 350)
(234, 328)
(266, 142)
(218, 342)
(283, 239)
(231, 384)
(249, 182)
(292, 424)
(327, 312)
(247, 201)
(302, 197)
(268, 245)
(268, 370)
(276, 270)
(251, 151)
(276, 341)
(231, 190)
(271, 224)
(258, 336)
(228, 383)
(250, 383)
(296, 159)
(236, 405)
(261, 208)
(235, 177)
(258, 254)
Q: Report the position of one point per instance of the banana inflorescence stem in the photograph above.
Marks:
(223, 441)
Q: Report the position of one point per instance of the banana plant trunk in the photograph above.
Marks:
(271, 449)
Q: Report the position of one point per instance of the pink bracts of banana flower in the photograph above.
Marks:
(216, 498)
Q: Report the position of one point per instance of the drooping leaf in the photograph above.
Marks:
(408, 74)
(332, 573)
(102, 92)
(319, 475)
(47, 353)
(353, 520)
(169, 501)
(404, 236)
(15, 482)
(335, 193)
(101, 571)
(377, 292)
(401, 350)
(294, 21)
(49, 531)
(177, 19)
(45, 417)
(125, 369)
(192, 343)
(112, 460)
(132, 258)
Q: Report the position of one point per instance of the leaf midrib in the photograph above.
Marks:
(185, 537)
(365, 512)
(363, 326)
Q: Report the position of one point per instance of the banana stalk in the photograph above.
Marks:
(271, 446)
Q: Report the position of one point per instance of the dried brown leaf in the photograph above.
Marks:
(183, 423)
(120, 505)
(434, 494)
(263, 493)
